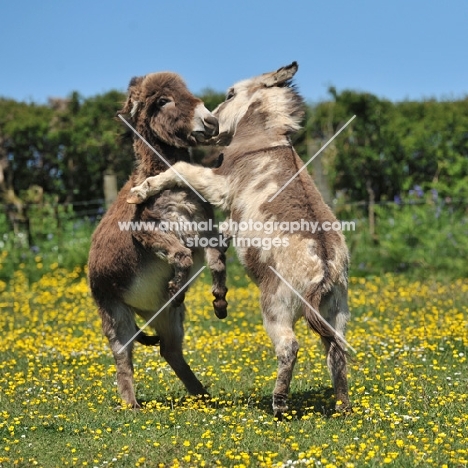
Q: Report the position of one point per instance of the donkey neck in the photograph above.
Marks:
(250, 143)
(148, 163)
(257, 131)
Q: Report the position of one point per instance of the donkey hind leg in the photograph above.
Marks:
(167, 246)
(279, 324)
(216, 260)
(334, 308)
(170, 329)
(118, 325)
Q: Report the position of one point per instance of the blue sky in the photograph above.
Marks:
(411, 49)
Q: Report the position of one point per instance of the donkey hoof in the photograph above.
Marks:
(221, 313)
(343, 407)
(279, 405)
(279, 412)
(135, 198)
(220, 308)
(133, 405)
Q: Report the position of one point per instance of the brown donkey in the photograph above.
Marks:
(138, 271)
(259, 181)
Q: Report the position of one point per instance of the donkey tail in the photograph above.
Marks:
(147, 340)
(321, 326)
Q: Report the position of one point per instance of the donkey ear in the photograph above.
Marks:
(280, 76)
(133, 95)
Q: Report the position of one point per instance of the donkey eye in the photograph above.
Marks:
(162, 102)
(230, 94)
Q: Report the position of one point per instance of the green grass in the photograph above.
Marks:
(408, 383)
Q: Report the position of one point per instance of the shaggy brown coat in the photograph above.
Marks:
(138, 271)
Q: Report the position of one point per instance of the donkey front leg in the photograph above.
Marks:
(279, 323)
(170, 329)
(211, 186)
(216, 260)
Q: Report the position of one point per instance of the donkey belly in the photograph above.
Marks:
(149, 290)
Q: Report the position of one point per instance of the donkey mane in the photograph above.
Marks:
(288, 108)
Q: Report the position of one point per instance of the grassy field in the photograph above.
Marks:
(408, 383)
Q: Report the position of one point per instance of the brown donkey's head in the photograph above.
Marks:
(267, 99)
(162, 108)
